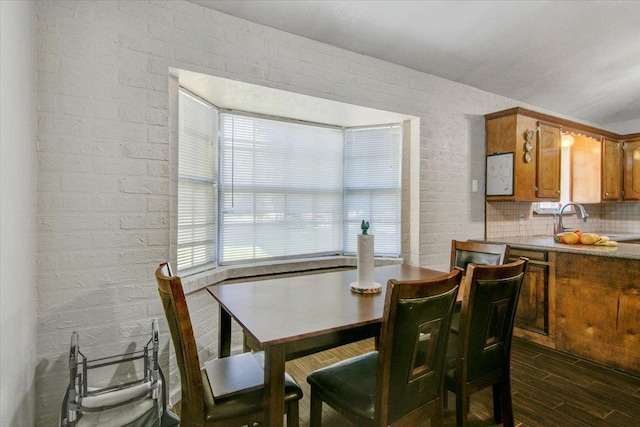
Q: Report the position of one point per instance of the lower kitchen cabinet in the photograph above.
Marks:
(598, 309)
(533, 306)
(584, 300)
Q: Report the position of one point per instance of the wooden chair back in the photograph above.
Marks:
(179, 322)
(412, 348)
(483, 339)
(463, 253)
(486, 318)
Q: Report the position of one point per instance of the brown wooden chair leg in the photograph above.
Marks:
(445, 398)
(462, 409)
(497, 407)
(506, 405)
(293, 415)
(315, 416)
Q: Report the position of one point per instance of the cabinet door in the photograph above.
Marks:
(548, 161)
(632, 170)
(586, 167)
(532, 305)
(611, 170)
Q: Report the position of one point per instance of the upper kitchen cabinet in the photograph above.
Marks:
(587, 182)
(534, 147)
(611, 170)
(631, 168)
(548, 161)
(598, 166)
(621, 169)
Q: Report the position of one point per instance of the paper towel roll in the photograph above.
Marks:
(365, 260)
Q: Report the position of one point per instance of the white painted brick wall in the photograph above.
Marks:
(104, 178)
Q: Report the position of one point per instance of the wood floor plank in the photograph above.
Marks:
(616, 379)
(527, 365)
(559, 367)
(584, 418)
(628, 404)
(622, 420)
(531, 397)
(589, 400)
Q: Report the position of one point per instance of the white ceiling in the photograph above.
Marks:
(578, 58)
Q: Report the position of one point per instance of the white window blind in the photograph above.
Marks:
(372, 186)
(280, 189)
(197, 182)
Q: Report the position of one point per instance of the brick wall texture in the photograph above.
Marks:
(104, 183)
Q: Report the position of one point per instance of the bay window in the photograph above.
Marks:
(254, 188)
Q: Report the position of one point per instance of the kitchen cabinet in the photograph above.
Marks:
(606, 169)
(611, 170)
(598, 307)
(532, 313)
(586, 165)
(631, 168)
(548, 161)
(592, 299)
(621, 170)
(535, 145)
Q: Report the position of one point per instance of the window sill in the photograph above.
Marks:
(552, 212)
(248, 272)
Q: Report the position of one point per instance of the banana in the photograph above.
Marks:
(605, 241)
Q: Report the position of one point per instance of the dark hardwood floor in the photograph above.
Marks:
(549, 388)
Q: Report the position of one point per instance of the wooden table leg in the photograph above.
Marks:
(224, 333)
(274, 359)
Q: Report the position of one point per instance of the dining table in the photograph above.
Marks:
(291, 317)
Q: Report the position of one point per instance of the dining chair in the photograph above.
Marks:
(463, 253)
(402, 383)
(479, 352)
(240, 383)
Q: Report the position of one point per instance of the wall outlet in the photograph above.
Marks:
(474, 185)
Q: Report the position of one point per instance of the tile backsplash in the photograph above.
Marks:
(518, 219)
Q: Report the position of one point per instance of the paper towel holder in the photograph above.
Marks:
(365, 283)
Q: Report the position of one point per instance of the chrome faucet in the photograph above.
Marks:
(582, 214)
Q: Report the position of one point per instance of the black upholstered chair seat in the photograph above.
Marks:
(349, 384)
(251, 402)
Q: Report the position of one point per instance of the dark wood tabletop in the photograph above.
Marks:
(295, 316)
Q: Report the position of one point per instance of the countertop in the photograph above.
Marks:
(623, 250)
